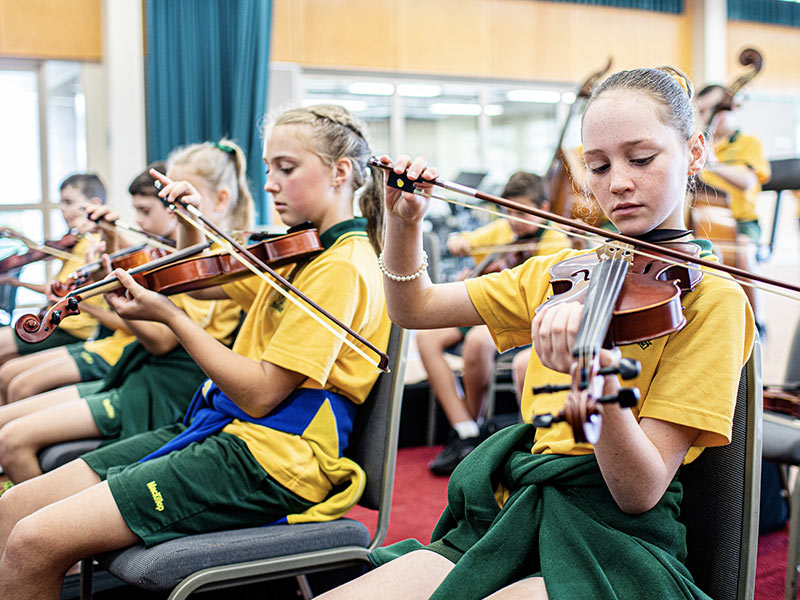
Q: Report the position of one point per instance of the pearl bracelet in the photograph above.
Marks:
(411, 277)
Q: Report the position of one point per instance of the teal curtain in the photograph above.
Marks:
(667, 6)
(207, 63)
(776, 12)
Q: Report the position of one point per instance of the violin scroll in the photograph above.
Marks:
(33, 329)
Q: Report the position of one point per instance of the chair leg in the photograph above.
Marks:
(793, 552)
(430, 436)
(87, 572)
(305, 588)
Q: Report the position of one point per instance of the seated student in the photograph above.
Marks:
(90, 361)
(255, 467)
(533, 514)
(152, 382)
(479, 350)
(736, 165)
(76, 191)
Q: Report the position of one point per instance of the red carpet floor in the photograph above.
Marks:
(419, 498)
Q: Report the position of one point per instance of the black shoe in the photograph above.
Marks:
(453, 453)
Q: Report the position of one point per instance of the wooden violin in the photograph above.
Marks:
(37, 253)
(627, 298)
(505, 257)
(175, 274)
(126, 259)
(581, 410)
(783, 399)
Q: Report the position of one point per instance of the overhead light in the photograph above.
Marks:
(419, 90)
(461, 110)
(568, 97)
(371, 88)
(544, 96)
(493, 110)
(351, 105)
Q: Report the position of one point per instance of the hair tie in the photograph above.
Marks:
(681, 80)
(225, 148)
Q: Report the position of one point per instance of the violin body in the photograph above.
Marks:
(137, 256)
(784, 400)
(648, 304)
(627, 298)
(15, 261)
(181, 276)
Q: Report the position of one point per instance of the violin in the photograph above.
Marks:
(33, 254)
(126, 259)
(783, 399)
(506, 257)
(175, 274)
(627, 299)
(606, 279)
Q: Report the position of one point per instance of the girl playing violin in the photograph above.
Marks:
(141, 391)
(256, 469)
(76, 191)
(90, 361)
(550, 518)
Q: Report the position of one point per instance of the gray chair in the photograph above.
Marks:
(721, 499)
(782, 445)
(230, 558)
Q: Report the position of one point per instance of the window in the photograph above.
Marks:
(42, 116)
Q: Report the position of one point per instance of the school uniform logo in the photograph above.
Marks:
(109, 408)
(157, 497)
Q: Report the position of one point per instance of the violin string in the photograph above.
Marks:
(225, 245)
(594, 239)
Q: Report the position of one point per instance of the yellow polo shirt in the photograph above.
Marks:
(689, 377)
(742, 150)
(345, 280)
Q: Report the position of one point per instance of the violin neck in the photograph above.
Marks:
(598, 308)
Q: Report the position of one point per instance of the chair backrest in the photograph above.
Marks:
(721, 499)
(793, 366)
(373, 443)
(785, 175)
(431, 246)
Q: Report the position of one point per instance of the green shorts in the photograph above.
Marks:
(210, 485)
(56, 339)
(90, 365)
(106, 409)
(749, 228)
(87, 388)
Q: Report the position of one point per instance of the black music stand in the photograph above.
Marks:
(785, 176)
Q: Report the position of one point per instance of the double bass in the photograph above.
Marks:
(564, 196)
(710, 216)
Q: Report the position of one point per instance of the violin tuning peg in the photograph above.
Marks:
(628, 368)
(550, 389)
(543, 421)
(628, 397)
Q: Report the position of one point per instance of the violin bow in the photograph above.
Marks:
(31, 245)
(403, 183)
(260, 268)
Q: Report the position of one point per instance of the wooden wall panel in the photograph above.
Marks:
(449, 37)
(351, 33)
(780, 47)
(51, 29)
